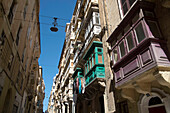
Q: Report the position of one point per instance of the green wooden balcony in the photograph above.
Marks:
(77, 74)
(94, 66)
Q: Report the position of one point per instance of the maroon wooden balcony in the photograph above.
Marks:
(138, 45)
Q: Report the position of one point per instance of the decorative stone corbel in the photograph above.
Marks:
(102, 83)
(128, 93)
(142, 87)
(163, 77)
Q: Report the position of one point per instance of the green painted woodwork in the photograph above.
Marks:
(78, 73)
(94, 66)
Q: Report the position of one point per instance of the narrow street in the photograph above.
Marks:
(84, 56)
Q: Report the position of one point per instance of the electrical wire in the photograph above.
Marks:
(35, 22)
(42, 15)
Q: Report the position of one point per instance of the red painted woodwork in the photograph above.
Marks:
(160, 109)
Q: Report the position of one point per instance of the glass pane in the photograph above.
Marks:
(126, 29)
(88, 66)
(130, 42)
(123, 1)
(99, 50)
(134, 20)
(131, 2)
(97, 20)
(115, 55)
(154, 29)
(154, 101)
(122, 49)
(100, 59)
(94, 59)
(125, 8)
(150, 14)
(140, 33)
(91, 62)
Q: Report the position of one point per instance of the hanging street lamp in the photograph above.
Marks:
(54, 29)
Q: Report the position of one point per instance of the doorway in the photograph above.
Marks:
(156, 105)
(156, 102)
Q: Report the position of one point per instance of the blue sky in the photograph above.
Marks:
(52, 42)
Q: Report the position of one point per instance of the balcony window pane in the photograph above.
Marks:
(127, 28)
(94, 59)
(90, 62)
(25, 10)
(135, 19)
(125, 8)
(131, 2)
(88, 66)
(123, 1)
(140, 33)
(154, 28)
(130, 42)
(149, 14)
(122, 49)
(97, 20)
(115, 56)
(100, 61)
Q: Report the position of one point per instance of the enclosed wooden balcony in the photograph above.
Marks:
(77, 75)
(139, 51)
(94, 66)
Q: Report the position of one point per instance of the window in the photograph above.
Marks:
(18, 76)
(96, 17)
(31, 42)
(33, 13)
(115, 55)
(2, 38)
(154, 29)
(23, 54)
(18, 35)
(28, 31)
(26, 64)
(149, 14)
(25, 11)
(122, 49)
(125, 5)
(140, 33)
(100, 60)
(94, 61)
(21, 83)
(154, 101)
(11, 12)
(130, 42)
(88, 64)
(10, 61)
(122, 107)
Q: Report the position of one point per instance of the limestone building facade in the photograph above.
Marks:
(19, 54)
(136, 36)
(121, 58)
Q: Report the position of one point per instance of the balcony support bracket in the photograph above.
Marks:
(163, 77)
(143, 88)
(129, 93)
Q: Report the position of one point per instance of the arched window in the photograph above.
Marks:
(154, 101)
